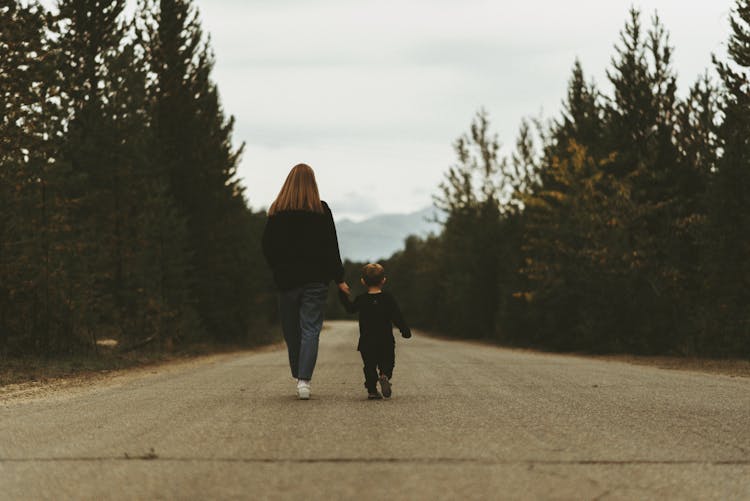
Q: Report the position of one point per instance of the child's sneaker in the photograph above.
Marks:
(374, 396)
(385, 386)
(303, 389)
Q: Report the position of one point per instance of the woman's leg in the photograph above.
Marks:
(289, 309)
(312, 305)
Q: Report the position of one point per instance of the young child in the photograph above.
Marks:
(378, 312)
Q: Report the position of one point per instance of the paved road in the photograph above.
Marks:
(466, 422)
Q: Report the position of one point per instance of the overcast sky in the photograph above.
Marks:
(373, 93)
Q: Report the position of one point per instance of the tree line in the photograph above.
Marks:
(621, 226)
(120, 211)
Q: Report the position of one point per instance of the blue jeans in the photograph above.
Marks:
(302, 311)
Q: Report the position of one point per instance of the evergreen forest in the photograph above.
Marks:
(620, 225)
(121, 216)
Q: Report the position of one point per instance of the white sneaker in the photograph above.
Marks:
(303, 389)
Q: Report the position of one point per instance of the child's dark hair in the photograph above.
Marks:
(373, 274)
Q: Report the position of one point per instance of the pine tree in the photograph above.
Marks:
(471, 181)
(729, 203)
(89, 34)
(641, 114)
(696, 126)
(31, 122)
(582, 119)
(478, 199)
(571, 228)
(194, 145)
(582, 124)
(152, 284)
(574, 227)
(641, 133)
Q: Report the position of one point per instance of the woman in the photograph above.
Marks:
(300, 246)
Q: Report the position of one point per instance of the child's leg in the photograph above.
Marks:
(387, 359)
(370, 361)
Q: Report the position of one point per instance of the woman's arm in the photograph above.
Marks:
(334, 256)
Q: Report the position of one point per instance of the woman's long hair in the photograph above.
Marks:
(300, 192)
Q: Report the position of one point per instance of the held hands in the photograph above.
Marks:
(344, 287)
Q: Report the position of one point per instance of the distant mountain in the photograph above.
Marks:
(380, 236)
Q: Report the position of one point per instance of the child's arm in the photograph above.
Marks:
(398, 319)
(346, 302)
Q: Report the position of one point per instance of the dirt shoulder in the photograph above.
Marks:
(30, 378)
(726, 367)
(729, 367)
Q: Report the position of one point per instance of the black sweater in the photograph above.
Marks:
(301, 247)
(377, 315)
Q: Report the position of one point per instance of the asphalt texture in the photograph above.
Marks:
(466, 421)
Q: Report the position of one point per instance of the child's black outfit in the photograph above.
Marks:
(377, 314)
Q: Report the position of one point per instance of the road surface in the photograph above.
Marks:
(466, 421)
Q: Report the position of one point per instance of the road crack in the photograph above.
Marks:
(530, 463)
